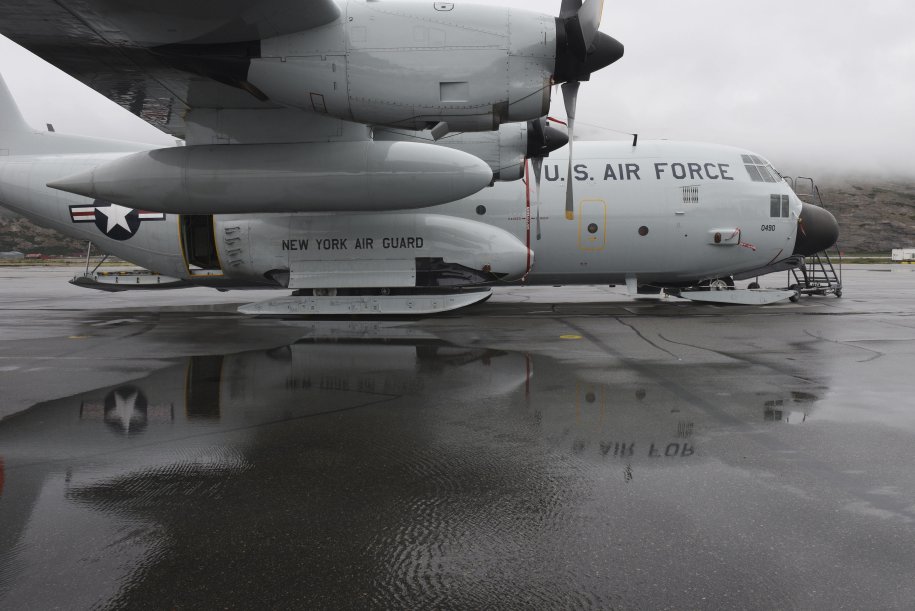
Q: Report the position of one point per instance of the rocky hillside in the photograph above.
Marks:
(16, 233)
(875, 217)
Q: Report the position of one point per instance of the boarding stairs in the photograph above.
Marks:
(818, 275)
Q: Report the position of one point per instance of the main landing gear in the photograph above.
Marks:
(719, 284)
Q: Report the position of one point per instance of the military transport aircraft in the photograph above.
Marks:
(347, 154)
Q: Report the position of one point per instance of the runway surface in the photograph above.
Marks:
(562, 447)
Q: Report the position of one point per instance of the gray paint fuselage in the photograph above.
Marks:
(649, 211)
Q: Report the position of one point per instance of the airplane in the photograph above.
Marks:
(369, 200)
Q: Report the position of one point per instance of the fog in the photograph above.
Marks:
(815, 86)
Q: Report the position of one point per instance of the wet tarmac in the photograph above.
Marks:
(556, 447)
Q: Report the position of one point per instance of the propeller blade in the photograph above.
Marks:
(589, 20)
(570, 97)
(537, 164)
(539, 129)
(569, 8)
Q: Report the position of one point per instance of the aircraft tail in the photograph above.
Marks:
(18, 138)
(10, 118)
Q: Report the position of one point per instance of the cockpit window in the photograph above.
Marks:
(759, 169)
(765, 174)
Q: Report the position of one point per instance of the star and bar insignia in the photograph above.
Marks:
(116, 222)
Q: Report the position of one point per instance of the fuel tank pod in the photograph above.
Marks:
(298, 177)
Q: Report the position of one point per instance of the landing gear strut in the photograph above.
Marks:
(721, 284)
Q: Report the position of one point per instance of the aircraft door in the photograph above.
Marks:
(198, 241)
(592, 225)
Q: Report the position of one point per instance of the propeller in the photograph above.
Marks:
(581, 50)
(570, 97)
(542, 139)
(537, 163)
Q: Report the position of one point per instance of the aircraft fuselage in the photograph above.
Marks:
(662, 212)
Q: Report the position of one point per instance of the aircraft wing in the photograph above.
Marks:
(120, 48)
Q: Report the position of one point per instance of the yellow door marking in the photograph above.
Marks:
(592, 211)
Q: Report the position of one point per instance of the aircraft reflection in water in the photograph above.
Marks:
(332, 463)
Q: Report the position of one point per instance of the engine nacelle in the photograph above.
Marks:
(461, 67)
(412, 65)
(505, 150)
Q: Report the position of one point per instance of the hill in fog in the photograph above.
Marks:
(873, 216)
(17, 233)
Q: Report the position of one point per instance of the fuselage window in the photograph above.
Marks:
(779, 206)
(775, 206)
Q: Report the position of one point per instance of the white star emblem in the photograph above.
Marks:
(117, 217)
(125, 408)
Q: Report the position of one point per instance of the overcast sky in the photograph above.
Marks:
(810, 85)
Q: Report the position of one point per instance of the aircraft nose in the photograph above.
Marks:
(817, 230)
